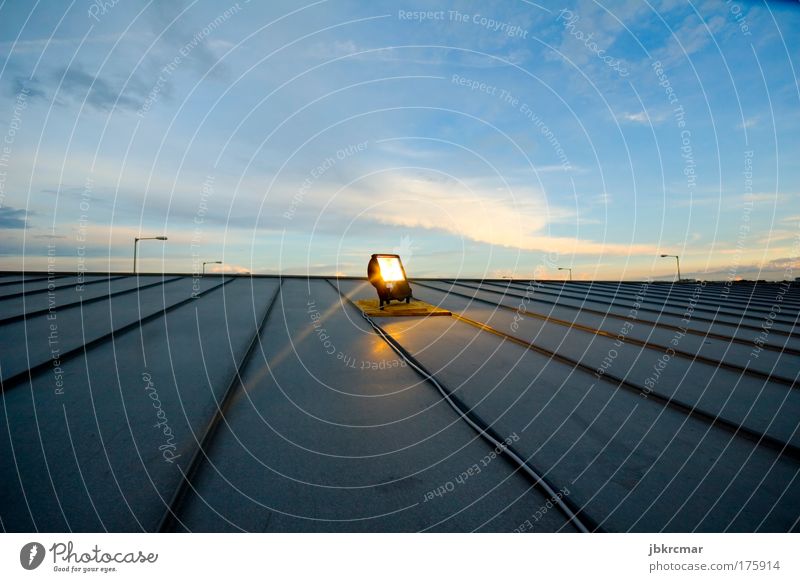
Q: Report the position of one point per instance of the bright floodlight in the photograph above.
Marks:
(391, 269)
(387, 275)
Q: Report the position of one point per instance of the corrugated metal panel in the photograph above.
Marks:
(690, 423)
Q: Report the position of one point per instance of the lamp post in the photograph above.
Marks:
(567, 269)
(210, 263)
(136, 243)
(678, 260)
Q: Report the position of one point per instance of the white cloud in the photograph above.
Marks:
(604, 198)
(749, 123)
(640, 117)
(795, 218)
(38, 45)
(764, 197)
(643, 117)
(518, 222)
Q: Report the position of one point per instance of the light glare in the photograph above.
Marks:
(391, 269)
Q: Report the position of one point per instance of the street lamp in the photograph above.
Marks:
(210, 263)
(136, 243)
(567, 269)
(677, 258)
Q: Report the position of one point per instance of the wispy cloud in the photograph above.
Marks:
(98, 92)
(487, 183)
(518, 222)
(603, 199)
(13, 218)
(691, 36)
(640, 117)
(764, 197)
(38, 45)
(643, 117)
(749, 123)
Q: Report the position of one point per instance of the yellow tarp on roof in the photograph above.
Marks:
(395, 309)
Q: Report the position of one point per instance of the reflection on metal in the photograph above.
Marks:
(170, 519)
(574, 514)
(373, 308)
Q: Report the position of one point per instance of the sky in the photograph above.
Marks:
(475, 139)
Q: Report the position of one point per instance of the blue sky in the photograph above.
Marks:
(477, 139)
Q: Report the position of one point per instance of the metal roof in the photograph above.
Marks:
(146, 403)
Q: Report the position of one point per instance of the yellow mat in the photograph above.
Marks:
(395, 309)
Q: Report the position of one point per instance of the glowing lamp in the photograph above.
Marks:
(387, 275)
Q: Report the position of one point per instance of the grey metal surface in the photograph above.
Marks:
(11, 278)
(333, 432)
(641, 328)
(698, 294)
(39, 285)
(67, 296)
(769, 408)
(27, 343)
(677, 306)
(93, 457)
(741, 318)
(769, 362)
(618, 452)
(567, 308)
